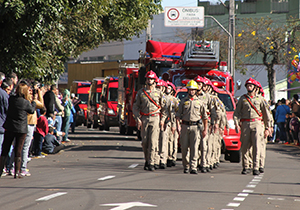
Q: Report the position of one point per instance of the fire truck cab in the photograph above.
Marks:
(108, 104)
(94, 102)
(128, 87)
(81, 91)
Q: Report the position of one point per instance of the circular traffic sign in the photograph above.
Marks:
(173, 14)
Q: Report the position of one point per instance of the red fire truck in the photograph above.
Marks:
(108, 104)
(128, 87)
(81, 90)
(93, 102)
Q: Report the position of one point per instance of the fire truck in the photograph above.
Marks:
(127, 89)
(81, 91)
(94, 102)
(177, 62)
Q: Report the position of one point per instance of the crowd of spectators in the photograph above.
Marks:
(286, 114)
(34, 122)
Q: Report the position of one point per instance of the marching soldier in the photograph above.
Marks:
(172, 135)
(190, 111)
(211, 111)
(250, 112)
(147, 108)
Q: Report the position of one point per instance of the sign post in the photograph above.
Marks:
(184, 17)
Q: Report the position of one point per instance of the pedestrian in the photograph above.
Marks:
(16, 126)
(37, 97)
(49, 100)
(66, 102)
(280, 117)
(147, 108)
(249, 114)
(14, 78)
(191, 110)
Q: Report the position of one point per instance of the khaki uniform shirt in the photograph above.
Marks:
(245, 111)
(209, 105)
(144, 104)
(191, 110)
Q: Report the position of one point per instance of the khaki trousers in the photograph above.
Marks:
(210, 149)
(189, 140)
(150, 135)
(163, 144)
(173, 146)
(251, 134)
(263, 152)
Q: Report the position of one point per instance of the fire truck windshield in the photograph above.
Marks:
(113, 94)
(181, 95)
(225, 98)
(84, 98)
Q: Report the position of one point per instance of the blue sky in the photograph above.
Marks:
(181, 3)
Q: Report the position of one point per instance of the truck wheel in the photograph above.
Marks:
(122, 129)
(106, 127)
(95, 125)
(129, 130)
(100, 127)
(235, 156)
(227, 156)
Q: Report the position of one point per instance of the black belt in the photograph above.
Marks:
(190, 122)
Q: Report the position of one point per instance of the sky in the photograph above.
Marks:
(181, 3)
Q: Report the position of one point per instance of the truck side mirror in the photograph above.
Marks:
(238, 84)
(126, 79)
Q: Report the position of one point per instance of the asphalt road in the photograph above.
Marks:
(104, 170)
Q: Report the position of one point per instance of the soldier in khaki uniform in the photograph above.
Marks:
(171, 136)
(211, 112)
(250, 112)
(147, 108)
(190, 111)
(169, 123)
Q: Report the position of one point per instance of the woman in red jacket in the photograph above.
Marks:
(16, 125)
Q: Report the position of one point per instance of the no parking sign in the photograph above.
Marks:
(184, 17)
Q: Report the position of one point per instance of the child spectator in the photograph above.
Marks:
(51, 145)
(40, 133)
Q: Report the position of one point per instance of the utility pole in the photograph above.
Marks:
(231, 46)
(148, 31)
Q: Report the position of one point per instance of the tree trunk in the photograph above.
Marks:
(271, 81)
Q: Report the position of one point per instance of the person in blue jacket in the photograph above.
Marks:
(281, 112)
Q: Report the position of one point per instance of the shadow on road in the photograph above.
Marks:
(290, 150)
(106, 148)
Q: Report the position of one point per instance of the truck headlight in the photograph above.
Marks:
(231, 124)
(110, 111)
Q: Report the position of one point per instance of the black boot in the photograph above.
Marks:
(18, 167)
(146, 166)
(169, 163)
(2, 163)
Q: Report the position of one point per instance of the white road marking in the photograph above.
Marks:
(227, 209)
(255, 180)
(251, 186)
(233, 204)
(248, 191)
(48, 197)
(243, 194)
(276, 199)
(257, 177)
(133, 165)
(297, 200)
(123, 206)
(106, 177)
(239, 199)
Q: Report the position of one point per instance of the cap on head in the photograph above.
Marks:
(151, 74)
(159, 83)
(251, 81)
(172, 85)
(199, 79)
(192, 84)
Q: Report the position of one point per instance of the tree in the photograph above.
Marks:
(268, 40)
(37, 37)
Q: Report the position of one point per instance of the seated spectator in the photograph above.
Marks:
(40, 133)
(51, 145)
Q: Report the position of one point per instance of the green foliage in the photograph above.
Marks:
(38, 36)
